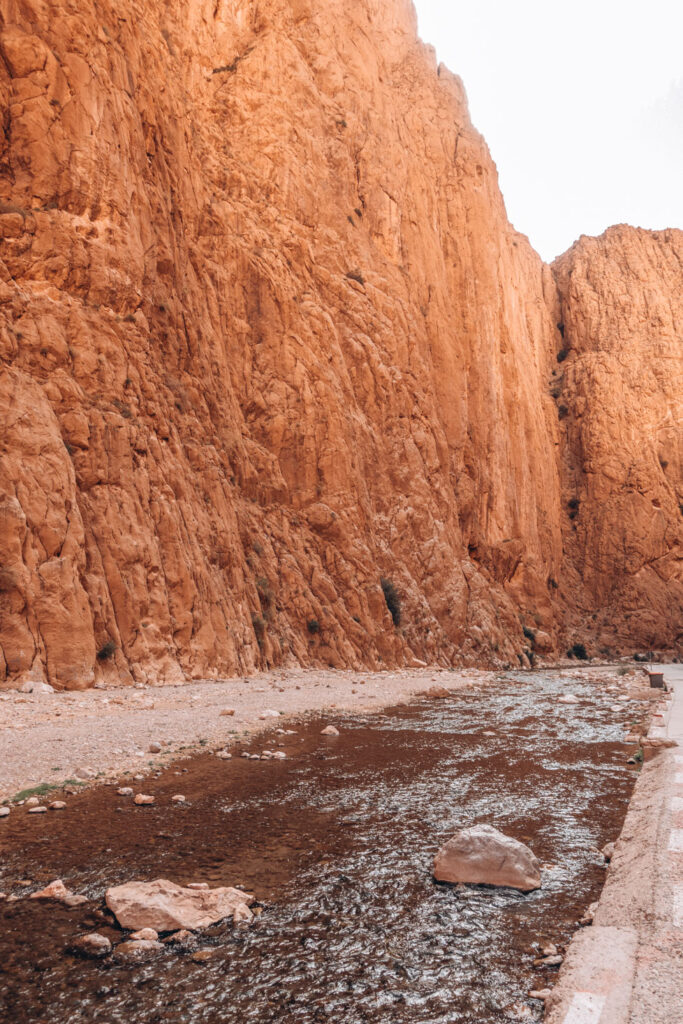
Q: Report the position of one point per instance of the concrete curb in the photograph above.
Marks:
(628, 967)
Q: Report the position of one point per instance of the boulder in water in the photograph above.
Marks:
(166, 907)
(484, 856)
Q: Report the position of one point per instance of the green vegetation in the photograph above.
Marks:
(578, 651)
(42, 790)
(106, 651)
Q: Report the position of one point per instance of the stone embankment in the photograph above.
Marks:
(628, 967)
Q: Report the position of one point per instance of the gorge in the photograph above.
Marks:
(268, 338)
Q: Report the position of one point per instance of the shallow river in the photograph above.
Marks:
(337, 843)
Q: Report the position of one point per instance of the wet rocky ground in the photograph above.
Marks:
(337, 841)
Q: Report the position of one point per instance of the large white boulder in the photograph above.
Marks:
(166, 907)
(484, 856)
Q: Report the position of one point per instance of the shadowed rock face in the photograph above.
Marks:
(268, 338)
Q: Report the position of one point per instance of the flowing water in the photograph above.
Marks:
(337, 842)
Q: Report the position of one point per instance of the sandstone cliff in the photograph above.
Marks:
(267, 338)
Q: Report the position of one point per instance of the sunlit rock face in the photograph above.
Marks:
(268, 338)
(621, 305)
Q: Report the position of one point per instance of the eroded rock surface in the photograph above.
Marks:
(267, 337)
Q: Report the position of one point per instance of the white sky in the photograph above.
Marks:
(581, 104)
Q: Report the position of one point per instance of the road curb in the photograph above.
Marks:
(627, 967)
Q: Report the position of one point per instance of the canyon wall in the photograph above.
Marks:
(268, 338)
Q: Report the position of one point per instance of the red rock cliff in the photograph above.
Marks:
(267, 337)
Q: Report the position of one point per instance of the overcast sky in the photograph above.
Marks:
(581, 105)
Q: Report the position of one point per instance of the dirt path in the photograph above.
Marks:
(51, 738)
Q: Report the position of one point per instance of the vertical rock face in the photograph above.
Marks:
(621, 305)
(267, 337)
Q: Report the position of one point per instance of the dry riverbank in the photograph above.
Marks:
(50, 738)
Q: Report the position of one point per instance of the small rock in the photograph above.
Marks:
(245, 753)
(608, 851)
(224, 755)
(549, 961)
(568, 698)
(542, 994)
(330, 730)
(91, 945)
(280, 755)
(549, 950)
(134, 950)
(200, 886)
(4, 812)
(37, 810)
(125, 791)
(227, 713)
(241, 914)
(269, 713)
(72, 901)
(202, 956)
(154, 748)
(84, 773)
(143, 799)
(54, 891)
(179, 937)
(437, 691)
(178, 798)
(57, 805)
(36, 687)
(145, 935)
(488, 733)
(32, 801)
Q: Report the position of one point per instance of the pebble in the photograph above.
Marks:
(269, 713)
(91, 945)
(330, 730)
(154, 748)
(201, 886)
(224, 755)
(57, 805)
(137, 949)
(32, 801)
(4, 812)
(542, 994)
(279, 755)
(549, 961)
(145, 935)
(178, 798)
(84, 773)
(37, 810)
(142, 799)
(72, 900)
(488, 733)
(227, 713)
(202, 956)
(125, 791)
(181, 936)
(568, 698)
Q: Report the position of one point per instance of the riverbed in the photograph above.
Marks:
(337, 843)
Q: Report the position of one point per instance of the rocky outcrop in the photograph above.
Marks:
(620, 390)
(267, 339)
(484, 856)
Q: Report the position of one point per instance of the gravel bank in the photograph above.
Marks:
(100, 733)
